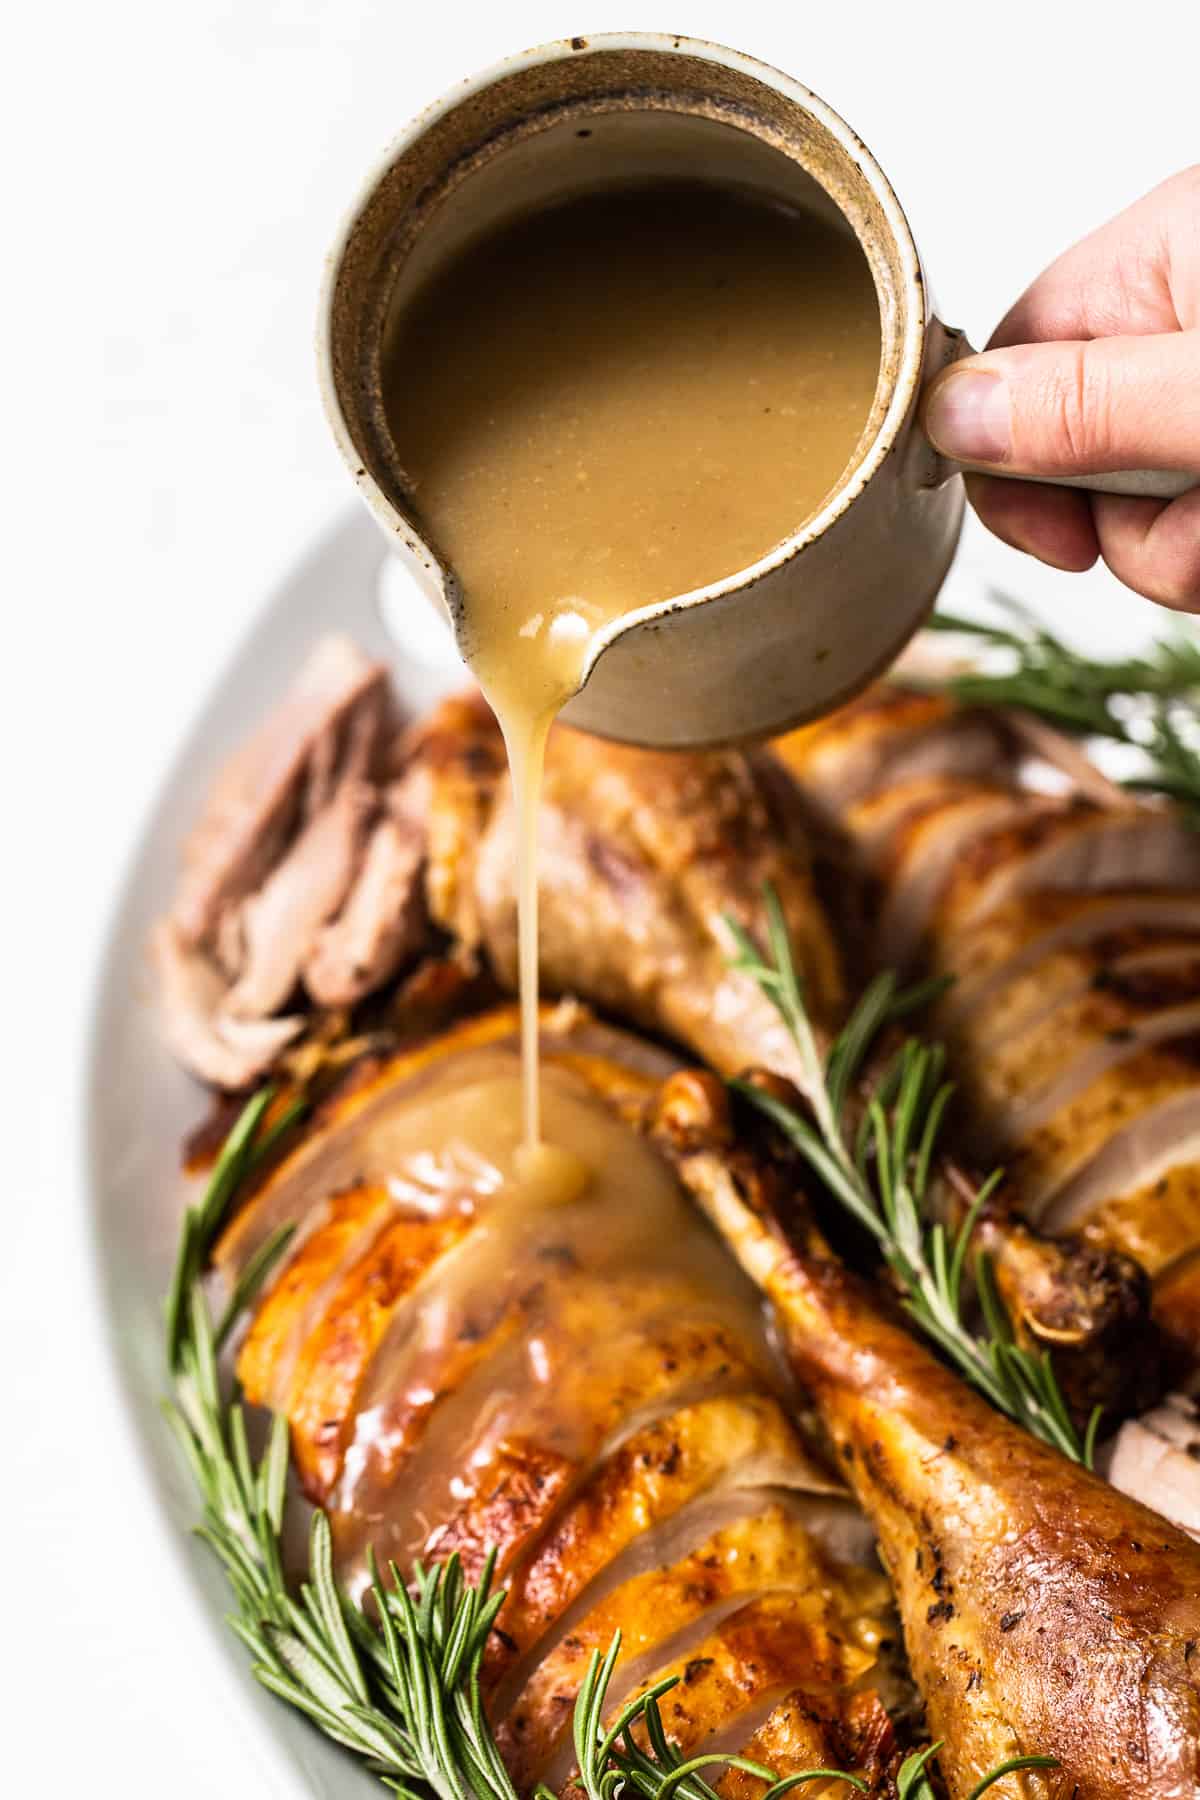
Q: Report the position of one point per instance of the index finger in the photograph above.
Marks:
(1117, 280)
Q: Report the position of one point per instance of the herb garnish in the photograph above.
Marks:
(882, 1180)
(1148, 703)
(402, 1695)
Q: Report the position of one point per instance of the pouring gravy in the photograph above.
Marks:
(609, 402)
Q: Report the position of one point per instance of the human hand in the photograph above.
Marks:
(1096, 367)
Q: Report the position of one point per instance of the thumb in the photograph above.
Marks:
(1073, 408)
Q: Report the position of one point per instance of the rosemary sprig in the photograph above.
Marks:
(882, 1180)
(912, 1779)
(609, 1761)
(1148, 703)
(612, 1761)
(401, 1694)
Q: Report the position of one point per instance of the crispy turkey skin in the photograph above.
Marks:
(1043, 1610)
(588, 1388)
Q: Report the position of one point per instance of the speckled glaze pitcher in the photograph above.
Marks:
(805, 626)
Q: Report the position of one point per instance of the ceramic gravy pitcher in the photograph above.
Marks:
(821, 614)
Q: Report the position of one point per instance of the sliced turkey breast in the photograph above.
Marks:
(1158, 1222)
(1023, 932)
(588, 1387)
(1019, 1085)
(1149, 1130)
(1053, 1153)
(892, 735)
(742, 1569)
(1156, 1459)
(1075, 847)
(926, 851)
(665, 1488)
(1157, 973)
(740, 1452)
(873, 826)
(1155, 1219)
(346, 1144)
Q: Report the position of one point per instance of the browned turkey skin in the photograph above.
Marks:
(1071, 926)
(1041, 1607)
(588, 1389)
(595, 1395)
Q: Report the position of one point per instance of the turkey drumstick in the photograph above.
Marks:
(1044, 1612)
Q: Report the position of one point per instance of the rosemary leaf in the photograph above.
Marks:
(1150, 703)
(882, 1182)
(1008, 1768)
(252, 1278)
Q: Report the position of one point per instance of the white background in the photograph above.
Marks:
(172, 174)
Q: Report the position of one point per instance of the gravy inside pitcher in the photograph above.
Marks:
(607, 403)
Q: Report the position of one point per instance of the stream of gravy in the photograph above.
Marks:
(608, 403)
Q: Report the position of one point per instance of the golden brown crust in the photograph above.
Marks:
(971, 812)
(334, 1359)
(647, 1479)
(769, 1648)
(642, 853)
(778, 1590)
(881, 706)
(1177, 1307)
(301, 1182)
(617, 1437)
(1158, 1222)
(1071, 928)
(267, 1356)
(767, 1553)
(819, 1731)
(1043, 1610)
(517, 1489)
(1049, 1155)
(891, 737)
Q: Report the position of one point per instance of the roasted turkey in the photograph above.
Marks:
(1071, 926)
(1040, 1605)
(369, 846)
(591, 1388)
(643, 856)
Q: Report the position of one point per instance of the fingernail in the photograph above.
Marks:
(967, 417)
